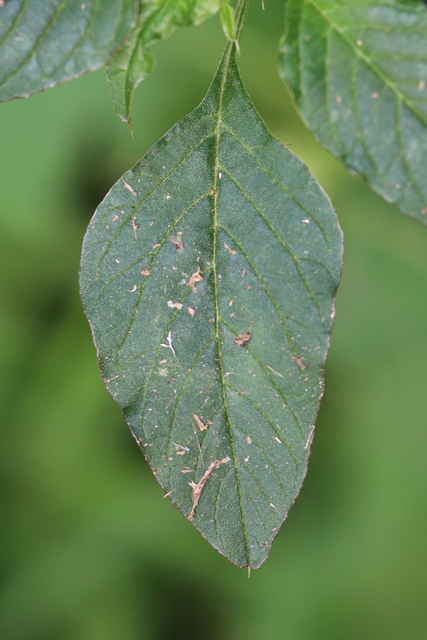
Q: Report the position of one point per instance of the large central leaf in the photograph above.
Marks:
(208, 276)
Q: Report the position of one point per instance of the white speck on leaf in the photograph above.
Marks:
(169, 344)
(181, 446)
(175, 305)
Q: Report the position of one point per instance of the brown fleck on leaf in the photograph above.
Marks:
(115, 218)
(200, 424)
(191, 311)
(145, 272)
(243, 339)
(196, 277)
(424, 211)
(232, 251)
(198, 487)
(299, 362)
(177, 240)
(243, 273)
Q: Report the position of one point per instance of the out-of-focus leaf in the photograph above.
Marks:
(227, 20)
(358, 71)
(45, 42)
(157, 20)
(208, 275)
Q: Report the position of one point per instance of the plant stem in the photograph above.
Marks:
(240, 17)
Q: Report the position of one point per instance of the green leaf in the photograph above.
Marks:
(44, 42)
(227, 20)
(358, 70)
(157, 20)
(208, 276)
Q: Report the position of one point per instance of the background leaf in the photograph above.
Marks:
(156, 21)
(44, 42)
(208, 276)
(227, 20)
(358, 71)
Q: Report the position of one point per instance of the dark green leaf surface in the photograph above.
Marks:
(208, 275)
(44, 42)
(156, 21)
(358, 70)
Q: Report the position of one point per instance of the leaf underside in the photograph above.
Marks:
(133, 62)
(358, 71)
(208, 276)
(45, 42)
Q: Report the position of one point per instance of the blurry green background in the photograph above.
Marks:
(89, 548)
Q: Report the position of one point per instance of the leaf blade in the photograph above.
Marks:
(358, 73)
(43, 43)
(227, 252)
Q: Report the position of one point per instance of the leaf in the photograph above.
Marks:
(44, 42)
(132, 63)
(227, 20)
(208, 276)
(358, 71)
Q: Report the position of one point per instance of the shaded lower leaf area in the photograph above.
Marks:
(208, 276)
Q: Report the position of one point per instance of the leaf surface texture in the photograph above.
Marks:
(208, 275)
(45, 42)
(358, 71)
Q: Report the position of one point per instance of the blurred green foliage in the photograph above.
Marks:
(89, 549)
